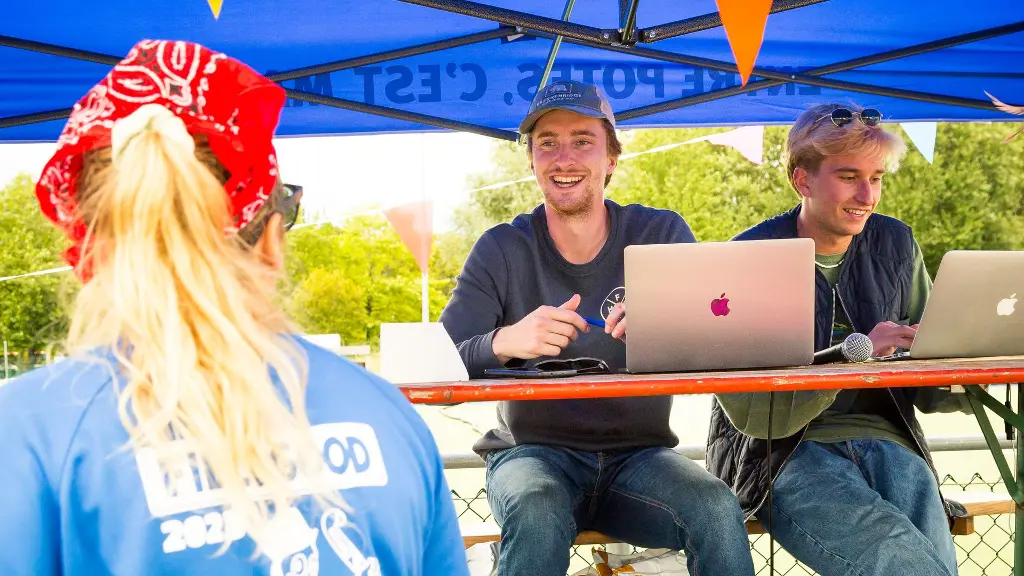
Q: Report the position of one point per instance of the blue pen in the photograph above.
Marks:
(594, 322)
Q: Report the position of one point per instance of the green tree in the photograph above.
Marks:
(31, 312)
(326, 302)
(502, 204)
(350, 279)
(970, 199)
(717, 190)
(492, 206)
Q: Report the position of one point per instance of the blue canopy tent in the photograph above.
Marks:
(358, 66)
(386, 66)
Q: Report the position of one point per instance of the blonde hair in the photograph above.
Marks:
(814, 136)
(201, 347)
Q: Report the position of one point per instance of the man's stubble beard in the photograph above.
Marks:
(578, 210)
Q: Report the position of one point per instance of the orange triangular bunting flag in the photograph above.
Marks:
(215, 6)
(414, 224)
(744, 22)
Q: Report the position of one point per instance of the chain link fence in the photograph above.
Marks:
(987, 552)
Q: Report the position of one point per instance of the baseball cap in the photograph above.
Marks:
(567, 95)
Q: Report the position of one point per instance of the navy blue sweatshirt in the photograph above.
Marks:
(513, 270)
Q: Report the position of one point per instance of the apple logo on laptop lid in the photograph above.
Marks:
(1005, 306)
(720, 306)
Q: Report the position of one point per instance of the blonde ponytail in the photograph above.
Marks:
(190, 316)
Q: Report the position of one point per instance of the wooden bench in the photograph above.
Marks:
(976, 503)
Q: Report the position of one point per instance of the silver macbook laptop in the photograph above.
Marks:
(973, 308)
(719, 305)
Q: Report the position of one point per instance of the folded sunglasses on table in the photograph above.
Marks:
(554, 368)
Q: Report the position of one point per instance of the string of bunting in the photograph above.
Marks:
(413, 221)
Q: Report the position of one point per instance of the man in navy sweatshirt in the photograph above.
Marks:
(557, 467)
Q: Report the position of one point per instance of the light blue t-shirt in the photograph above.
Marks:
(74, 501)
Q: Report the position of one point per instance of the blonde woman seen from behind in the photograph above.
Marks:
(190, 432)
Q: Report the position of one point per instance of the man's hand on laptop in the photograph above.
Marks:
(544, 332)
(888, 336)
(615, 323)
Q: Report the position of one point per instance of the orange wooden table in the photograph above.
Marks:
(944, 372)
(961, 371)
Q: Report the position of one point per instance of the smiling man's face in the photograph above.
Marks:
(842, 193)
(571, 161)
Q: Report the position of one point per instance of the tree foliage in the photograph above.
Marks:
(348, 279)
(718, 191)
(31, 312)
(972, 197)
(502, 204)
(486, 208)
(714, 188)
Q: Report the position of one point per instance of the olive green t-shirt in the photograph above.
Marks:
(849, 417)
(837, 419)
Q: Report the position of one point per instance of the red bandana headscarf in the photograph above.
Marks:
(235, 107)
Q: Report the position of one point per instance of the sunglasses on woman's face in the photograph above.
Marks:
(288, 198)
(288, 206)
(843, 116)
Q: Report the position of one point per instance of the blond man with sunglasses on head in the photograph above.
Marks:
(855, 490)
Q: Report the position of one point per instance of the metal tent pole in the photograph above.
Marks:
(378, 57)
(516, 18)
(708, 21)
(1018, 532)
(843, 66)
(554, 47)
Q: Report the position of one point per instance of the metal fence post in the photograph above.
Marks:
(1018, 543)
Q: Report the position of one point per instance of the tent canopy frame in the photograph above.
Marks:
(514, 25)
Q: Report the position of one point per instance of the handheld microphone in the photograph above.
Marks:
(856, 348)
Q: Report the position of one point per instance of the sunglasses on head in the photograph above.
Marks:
(843, 116)
(287, 199)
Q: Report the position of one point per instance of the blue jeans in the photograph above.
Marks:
(864, 508)
(543, 496)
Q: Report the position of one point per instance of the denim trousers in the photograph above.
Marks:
(543, 496)
(861, 507)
